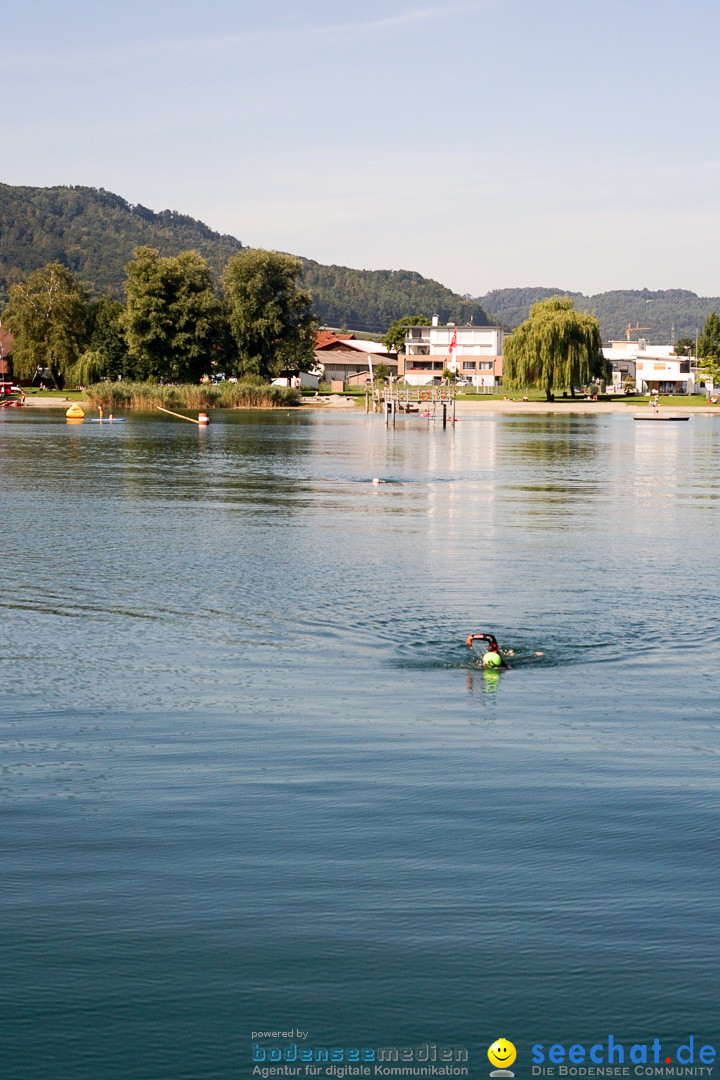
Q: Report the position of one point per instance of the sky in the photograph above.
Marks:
(485, 143)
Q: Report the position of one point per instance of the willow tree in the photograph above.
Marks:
(556, 346)
(48, 316)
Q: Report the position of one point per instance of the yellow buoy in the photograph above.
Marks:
(75, 412)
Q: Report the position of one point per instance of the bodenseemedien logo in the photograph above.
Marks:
(502, 1054)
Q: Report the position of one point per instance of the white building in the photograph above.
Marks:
(473, 352)
(650, 368)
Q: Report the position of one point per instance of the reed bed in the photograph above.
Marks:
(135, 395)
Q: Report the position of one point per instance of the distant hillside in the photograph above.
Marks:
(667, 314)
(372, 299)
(94, 234)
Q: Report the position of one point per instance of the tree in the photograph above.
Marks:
(269, 315)
(685, 346)
(709, 338)
(107, 353)
(709, 348)
(48, 317)
(173, 318)
(89, 369)
(395, 337)
(556, 347)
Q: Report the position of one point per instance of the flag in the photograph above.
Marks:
(452, 363)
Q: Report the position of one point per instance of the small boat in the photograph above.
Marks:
(11, 396)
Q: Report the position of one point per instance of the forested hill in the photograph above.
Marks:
(667, 314)
(372, 299)
(94, 233)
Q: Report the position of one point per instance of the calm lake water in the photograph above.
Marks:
(252, 778)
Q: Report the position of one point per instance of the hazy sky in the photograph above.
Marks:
(485, 143)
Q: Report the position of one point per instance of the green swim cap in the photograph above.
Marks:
(492, 659)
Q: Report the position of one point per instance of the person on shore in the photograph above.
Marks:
(491, 658)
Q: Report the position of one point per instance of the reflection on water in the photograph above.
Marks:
(252, 775)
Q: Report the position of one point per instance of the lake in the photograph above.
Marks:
(253, 780)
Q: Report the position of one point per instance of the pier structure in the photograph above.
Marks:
(430, 402)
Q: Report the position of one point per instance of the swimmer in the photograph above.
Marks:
(492, 658)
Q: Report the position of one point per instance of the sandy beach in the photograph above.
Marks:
(38, 401)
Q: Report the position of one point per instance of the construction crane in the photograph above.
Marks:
(634, 329)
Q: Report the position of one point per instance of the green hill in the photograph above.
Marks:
(94, 233)
(372, 299)
(666, 314)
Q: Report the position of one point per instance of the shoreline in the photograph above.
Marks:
(493, 405)
(577, 407)
(581, 406)
(38, 402)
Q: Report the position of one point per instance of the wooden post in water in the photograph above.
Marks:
(444, 404)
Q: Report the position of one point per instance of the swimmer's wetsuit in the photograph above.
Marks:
(492, 658)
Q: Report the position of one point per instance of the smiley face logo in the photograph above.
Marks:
(502, 1053)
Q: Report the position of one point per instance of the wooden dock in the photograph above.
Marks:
(429, 402)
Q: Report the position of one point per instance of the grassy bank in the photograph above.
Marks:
(632, 401)
(134, 395)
